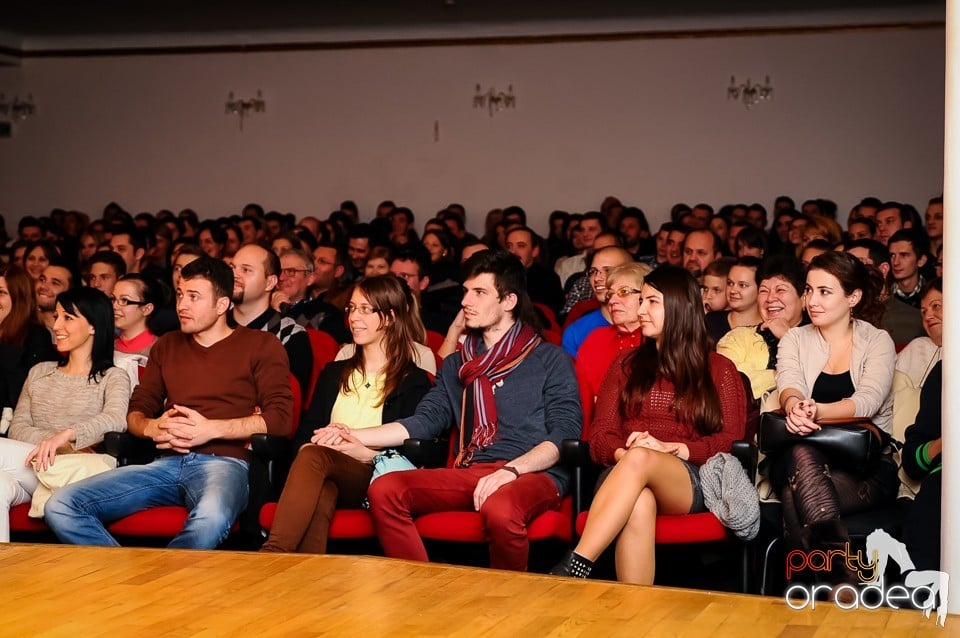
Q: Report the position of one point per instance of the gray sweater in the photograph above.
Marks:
(52, 401)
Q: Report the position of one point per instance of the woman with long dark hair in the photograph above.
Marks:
(65, 406)
(378, 384)
(839, 366)
(662, 411)
(23, 341)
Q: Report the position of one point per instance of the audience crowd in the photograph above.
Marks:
(650, 344)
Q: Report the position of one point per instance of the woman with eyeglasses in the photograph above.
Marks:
(603, 345)
(663, 409)
(66, 406)
(134, 299)
(378, 384)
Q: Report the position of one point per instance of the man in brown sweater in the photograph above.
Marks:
(206, 389)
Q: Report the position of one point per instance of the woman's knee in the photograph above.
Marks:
(638, 459)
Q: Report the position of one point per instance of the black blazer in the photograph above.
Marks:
(399, 404)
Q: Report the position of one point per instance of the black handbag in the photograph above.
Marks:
(853, 444)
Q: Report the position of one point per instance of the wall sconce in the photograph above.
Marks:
(750, 94)
(18, 109)
(494, 101)
(243, 108)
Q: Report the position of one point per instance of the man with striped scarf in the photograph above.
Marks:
(513, 398)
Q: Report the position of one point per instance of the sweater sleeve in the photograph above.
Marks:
(435, 413)
(113, 416)
(733, 405)
(271, 370)
(790, 363)
(876, 377)
(607, 432)
(563, 414)
(928, 426)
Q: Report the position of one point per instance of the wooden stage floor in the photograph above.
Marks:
(56, 590)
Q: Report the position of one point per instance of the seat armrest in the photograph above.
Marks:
(129, 449)
(746, 452)
(574, 453)
(426, 452)
(270, 447)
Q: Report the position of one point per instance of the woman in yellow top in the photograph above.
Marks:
(379, 384)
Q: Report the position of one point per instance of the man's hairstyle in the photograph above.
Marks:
(871, 202)
(340, 252)
(591, 255)
(301, 254)
(111, 259)
(935, 200)
(515, 211)
(256, 208)
(138, 238)
(901, 211)
(752, 237)
(596, 215)
(919, 241)
(359, 231)
(448, 215)
(866, 221)
(189, 246)
(386, 204)
(617, 237)
(217, 233)
(534, 238)
(669, 227)
(828, 207)
(706, 207)
(256, 221)
(29, 222)
(878, 253)
(719, 267)
(784, 199)
(632, 212)
(406, 212)
(271, 263)
(717, 242)
(415, 255)
(509, 277)
(787, 267)
(217, 272)
(59, 261)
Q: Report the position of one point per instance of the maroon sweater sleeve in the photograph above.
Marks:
(271, 372)
(607, 432)
(733, 405)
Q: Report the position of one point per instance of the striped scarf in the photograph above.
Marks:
(480, 372)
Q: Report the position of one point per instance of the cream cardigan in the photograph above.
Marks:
(803, 353)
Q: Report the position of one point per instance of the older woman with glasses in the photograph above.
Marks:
(603, 345)
(378, 384)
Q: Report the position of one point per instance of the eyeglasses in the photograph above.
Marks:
(363, 310)
(622, 292)
(126, 301)
(593, 272)
(290, 272)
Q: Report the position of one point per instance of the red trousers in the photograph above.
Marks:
(396, 499)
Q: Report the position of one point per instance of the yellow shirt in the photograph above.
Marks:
(356, 407)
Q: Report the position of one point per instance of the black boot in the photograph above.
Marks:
(573, 565)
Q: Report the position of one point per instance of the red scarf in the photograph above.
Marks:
(481, 372)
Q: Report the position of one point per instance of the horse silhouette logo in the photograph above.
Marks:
(885, 548)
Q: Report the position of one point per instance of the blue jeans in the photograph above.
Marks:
(213, 488)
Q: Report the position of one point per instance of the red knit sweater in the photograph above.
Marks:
(657, 417)
(596, 354)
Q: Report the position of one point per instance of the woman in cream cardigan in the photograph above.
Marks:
(839, 366)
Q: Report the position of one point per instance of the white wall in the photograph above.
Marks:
(854, 114)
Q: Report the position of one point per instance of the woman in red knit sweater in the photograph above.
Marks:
(662, 411)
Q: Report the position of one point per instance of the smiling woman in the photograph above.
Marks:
(379, 383)
(64, 407)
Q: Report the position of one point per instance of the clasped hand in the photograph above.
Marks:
(800, 419)
(181, 429)
(337, 436)
(647, 440)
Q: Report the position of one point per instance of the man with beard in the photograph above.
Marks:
(292, 297)
(255, 275)
(700, 248)
(54, 279)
